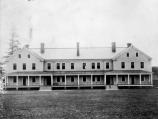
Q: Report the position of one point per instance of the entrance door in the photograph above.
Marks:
(47, 81)
(109, 80)
(24, 81)
(132, 80)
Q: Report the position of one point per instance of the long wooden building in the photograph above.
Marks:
(81, 67)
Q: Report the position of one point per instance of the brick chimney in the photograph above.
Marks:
(113, 48)
(129, 44)
(42, 50)
(78, 49)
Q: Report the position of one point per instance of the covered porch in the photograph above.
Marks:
(129, 78)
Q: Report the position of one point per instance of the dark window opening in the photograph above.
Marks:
(33, 79)
(142, 64)
(72, 65)
(58, 65)
(107, 65)
(123, 78)
(84, 79)
(72, 79)
(63, 79)
(63, 65)
(93, 79)
(14, 67)
(93, 65)
(142, 78)
(136, 54)
(98, 78)
(132, 64)
(28, 55)
(19, 55)
(127, 54)
(84, 65)
(14, 79)
(24, 66)
(123, 65)
(49, 66)
(98, 65)
(33, 66)
(58, 79)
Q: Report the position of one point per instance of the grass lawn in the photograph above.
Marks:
(80, 104)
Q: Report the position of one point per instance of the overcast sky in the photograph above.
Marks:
(61, 23)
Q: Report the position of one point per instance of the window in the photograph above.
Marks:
(63, 79)
(84, 79)
(19, 55)
(142, 64)
(127, 54)
(28, 55)
(14, 66)
(98, 78)
(107, 65)
(122, 65)
(58, 79)
(123, 78)
(142, 78)
(72, 79)
(49, 66)
(93, 65)
(72, 65)
(63, 65)
(14, 79)
(33, 66)
(136, 54)
(93, 79)
(33, 79)
(58, 65)
(98, 65)
(84, 65)
(24, 66)
(132, 65)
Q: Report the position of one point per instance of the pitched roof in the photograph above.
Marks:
(71, 53)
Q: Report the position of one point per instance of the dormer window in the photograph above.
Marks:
(136, 54)
(127, 54)
(19, 55)
(28, 55)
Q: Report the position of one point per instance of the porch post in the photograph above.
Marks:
(40, 80)
(128, 80)
(28, 78)
(91, 81)
(65, 81)
(78, 79)
(17, 79)
(140, 79)
(51, 80)
(151, 79)
(105, 79)
(116, 78)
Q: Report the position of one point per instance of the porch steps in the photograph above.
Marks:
(111, 87)
(45, 88)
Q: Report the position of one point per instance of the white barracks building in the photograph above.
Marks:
(81, 67)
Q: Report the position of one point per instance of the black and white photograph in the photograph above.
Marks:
(78, 59)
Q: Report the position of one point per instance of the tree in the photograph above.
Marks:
(13, 45)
